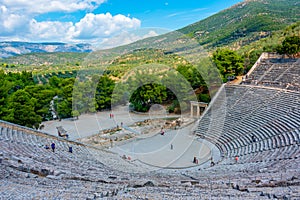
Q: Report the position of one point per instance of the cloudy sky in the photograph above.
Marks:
(88, 21)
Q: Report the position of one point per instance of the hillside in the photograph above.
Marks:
(247, 22)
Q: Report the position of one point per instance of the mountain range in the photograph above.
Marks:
(8, 49)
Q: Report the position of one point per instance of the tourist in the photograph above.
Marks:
(236, 159)
(70, 149)
(111, 142)
(212, 163)
(195, 159)
(171, 146)
(46, 146)
(253, 138)
(162, 132)
(53, 146)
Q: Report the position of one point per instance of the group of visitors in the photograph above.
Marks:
(53, 147)
(126, 157)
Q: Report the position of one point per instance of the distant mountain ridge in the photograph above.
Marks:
(8, 49)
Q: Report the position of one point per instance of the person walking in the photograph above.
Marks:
(70, 149)
(53, 146)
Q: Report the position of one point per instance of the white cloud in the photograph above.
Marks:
(175, 14)
(18, 21)
(48, 30)
(91, 28)
(44, 6)
(199, 9)
(103, 25)
(12, 22)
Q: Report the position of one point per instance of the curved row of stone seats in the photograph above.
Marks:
(230, 102)
(283, 123)
(237, 114)
(291, 77)
(81, 161)
(23, 156)
(260, 70)
(281, 73)
(81, 175)
(31, 144)
(290, 152)
(268, 115)
(262, 143)
(72, 189)
(261, 135)
(45, 188)
(275, 142)
(258, 177)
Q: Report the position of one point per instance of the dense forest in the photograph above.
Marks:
(71, 93)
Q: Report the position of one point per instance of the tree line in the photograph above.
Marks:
(26, 102)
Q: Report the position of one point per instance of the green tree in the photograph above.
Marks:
(5, 87)
(75, 113)
(43, 94)
(104, 92)
(54, 81)
(228, 62)
(147, 95)
(191, 74)
(290, 46)
(84, 96)
(63, 104)
(21, 110)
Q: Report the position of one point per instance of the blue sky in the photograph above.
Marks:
(171, 14)
(96, 21)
